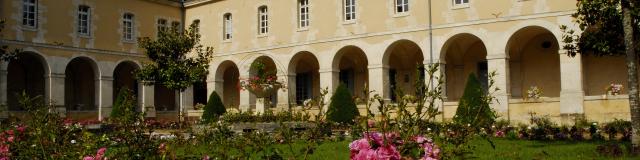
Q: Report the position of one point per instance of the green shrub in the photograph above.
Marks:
(473, 108)
(342, 108)
(124, 107)
(213, 109)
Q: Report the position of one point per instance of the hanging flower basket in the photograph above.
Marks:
(262, 90)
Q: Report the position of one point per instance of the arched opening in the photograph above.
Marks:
(352, 63)
(464, 54)
(406, 69)
(25, 74)
(305, 67)
(200, 91)
(269, 70)
(229, 74)
(80, 85)
(124, 78)
(164, 98)
(534, 62)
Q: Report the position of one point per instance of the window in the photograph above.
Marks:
(303, 14)
(460, 2)
(402, 6)
(196, 24)
(29, 13)
(349, 10)
(162, 25)
(127, 24)
(84, 19)
(176, 25)
(263, 20)
(303, 87)
(228, 29)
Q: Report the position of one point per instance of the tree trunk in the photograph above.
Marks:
(627, 23)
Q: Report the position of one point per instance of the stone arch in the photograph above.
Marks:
(27, 73)
(227, 79)
(271, 69)
(352, 64)
(124, 78)
(304, 82)
(463, 54)
(534, 61)
(403, 59)
(82, 76)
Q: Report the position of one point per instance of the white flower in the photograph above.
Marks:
(428, 129)
(73, 141)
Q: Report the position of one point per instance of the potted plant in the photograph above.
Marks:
(262, 84)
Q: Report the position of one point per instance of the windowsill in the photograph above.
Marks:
(226, 41)
(29, 28)
(460, 6)
(303, 29)
(128, 41)
(401, 14)
(262, 35)
(540, 100)
(82, 111)
(349, 22)
(85, 36)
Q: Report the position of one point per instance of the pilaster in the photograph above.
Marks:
(499, 63)
(572, 92)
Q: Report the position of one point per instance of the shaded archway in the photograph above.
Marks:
(25, 74)
(200, 91)
(534, 61)
(305, 67)
(80, 84)
(405, 61)
(463, 54)
(352, 63)
(124, 78)
(270, 69)
(229, 75)
(164, 98)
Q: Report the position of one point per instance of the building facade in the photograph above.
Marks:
(316, 44)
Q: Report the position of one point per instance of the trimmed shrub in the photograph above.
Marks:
(342, 108)
(473, 108)
(213, 109)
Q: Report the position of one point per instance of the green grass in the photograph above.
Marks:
(505, 149)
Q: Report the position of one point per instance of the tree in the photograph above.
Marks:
(213, 109)
(123, 110)
(342, 109)
(472, 108)
(178, 60)
(601, 22)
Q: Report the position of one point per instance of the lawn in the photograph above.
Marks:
(505, 149)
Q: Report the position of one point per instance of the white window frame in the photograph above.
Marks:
(227, 22)
(401, 6)
(263, 20)
(349, 10)
(303, 14)
(460, 3)
(84, 20)
(30, 13)
(128, 27)
(162, 25)
(196, 22)
(176, 25)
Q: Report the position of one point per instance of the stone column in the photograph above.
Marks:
(499, 63)
(245, 97)
(105, 96)
(291, 87)
(379, 84)
(329, 78)
(4, 111)
(431, 81)
(147, 93)
(284, 94)
(55, 91)
(572, 93)
(187, 99)
(217, 86)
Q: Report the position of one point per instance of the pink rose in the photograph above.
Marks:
(88, 158)
(10, 139)
(359, 145)
(366, 154)
(388, 152)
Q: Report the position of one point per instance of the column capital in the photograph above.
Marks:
(378, 66)
(55, 75)
(330, 70)
(497, 56)
(106, 78)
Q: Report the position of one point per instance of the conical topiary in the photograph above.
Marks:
(473, 108)
(124, 106)
(213, 109)
(342, 108)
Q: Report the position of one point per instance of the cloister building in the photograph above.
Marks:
(79, 53)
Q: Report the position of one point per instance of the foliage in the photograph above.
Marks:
(268, 116)
(473, 108)
(342, 109)
(178, 58)
(534, 93)
(618, 126)
(124, 107)
(263, 83)
(213, 109)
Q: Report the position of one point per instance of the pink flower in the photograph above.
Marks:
(499, 134)
(366, 154)
(361, 144)
(10, 132)
(388, 152)
(21, 129)
(420, 139)
(206, 157)
(10, 139)
(88, 158)
(371, 123)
